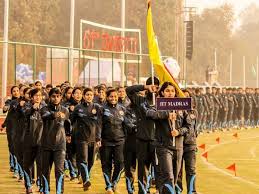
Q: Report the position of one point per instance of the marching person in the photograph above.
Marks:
(113, 140)
(70, 103)
(169, 156)
(53, 142)
(189, 153)
(32, 138)
(130, 142)
(145, 135)
(87, 120)
(19, 133)
(10, 124)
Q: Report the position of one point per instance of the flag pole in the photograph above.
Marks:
(244, 72)
(257, 72)
(5, 51)
(153, 83)
(230, 69)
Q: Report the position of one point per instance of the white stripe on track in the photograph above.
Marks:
(211, 166)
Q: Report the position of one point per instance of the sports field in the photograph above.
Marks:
(212, 178)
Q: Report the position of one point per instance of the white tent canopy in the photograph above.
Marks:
(90, 72)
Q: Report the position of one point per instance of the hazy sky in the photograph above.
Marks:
(238, 4)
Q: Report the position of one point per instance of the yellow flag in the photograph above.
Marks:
(154, 54)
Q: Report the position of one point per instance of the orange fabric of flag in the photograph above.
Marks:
(232, 167)
(202, 146)
(205, 155)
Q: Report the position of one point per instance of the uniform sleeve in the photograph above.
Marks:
(47, 114)
(76, 114)
(187, 124)
(99, 123)
(27, 110)
(205, 104)
(153, 113)
(7, 104)
(132, 93)
(67, 123)
(235, 100)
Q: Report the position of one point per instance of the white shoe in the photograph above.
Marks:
(109, 191)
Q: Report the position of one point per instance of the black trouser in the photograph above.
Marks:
(145, 156)
(85, 153)
(30, 154)
(130, 161)
(204, 120)
(48, 157)
(71, 158)
(225, 118)
(112, 155)
(216, 116)
(210, 118)
(9, 133)
(169, 164)
(189, 159)
(248, 113)
(18, 152)
(257, 116)
(230, 115)
(200, 119)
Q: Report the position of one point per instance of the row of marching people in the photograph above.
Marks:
(66, 126)
(226, 108)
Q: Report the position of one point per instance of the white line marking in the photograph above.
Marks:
(210, 165)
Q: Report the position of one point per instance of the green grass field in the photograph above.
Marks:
(212, 176)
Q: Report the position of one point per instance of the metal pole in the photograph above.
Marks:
(98, 54)
(72, 17)
(5, 51)
(215, 59)
(153, 83)
(123, 7)
(112, 69)
(184, 46)
(244, 72)
(14, 54)
(176, 31)
(51, 65)
(34, 63)
(230, 68)
(257, 72)
(138, 68)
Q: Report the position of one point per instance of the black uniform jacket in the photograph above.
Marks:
(145, 126)
(163, 130)
(54, 135)
(33, 132)
(87, 121)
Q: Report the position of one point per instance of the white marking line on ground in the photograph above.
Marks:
(210, 165)
(252, 152)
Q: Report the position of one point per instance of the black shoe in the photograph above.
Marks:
(86, 185)
(33, 181)
(11, 169)
(20, 179)
(73, 178)
(29, 191)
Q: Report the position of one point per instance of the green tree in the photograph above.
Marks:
(212, 29)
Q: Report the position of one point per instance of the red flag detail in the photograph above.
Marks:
(218, 140)
(205, 155)
(232, 167)
(235, 135)
(202, 146)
